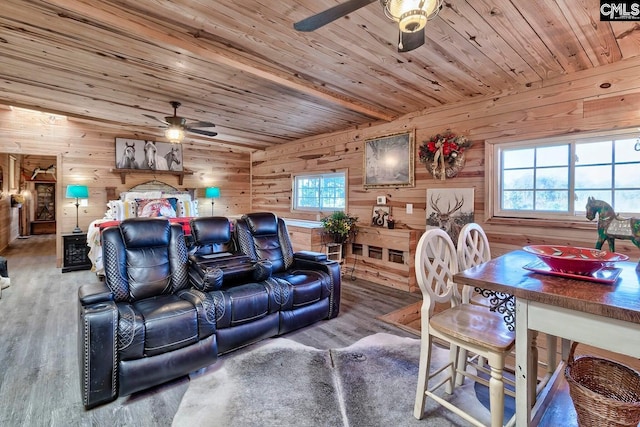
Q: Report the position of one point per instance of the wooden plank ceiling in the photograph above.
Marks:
(241, 65)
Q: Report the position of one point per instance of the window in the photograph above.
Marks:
(320, 192)
(552, 178)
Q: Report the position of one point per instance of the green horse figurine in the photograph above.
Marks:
(612, 226)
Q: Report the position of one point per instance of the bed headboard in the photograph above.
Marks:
(152, 198)
(151, 186)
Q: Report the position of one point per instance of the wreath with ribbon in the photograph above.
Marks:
(443, 154)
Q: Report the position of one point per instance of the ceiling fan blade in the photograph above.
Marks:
(410, 41)
(202, 132)
(201, 125)
(323, 18)
(156, 119)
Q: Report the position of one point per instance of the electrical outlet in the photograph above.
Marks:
(409, 208)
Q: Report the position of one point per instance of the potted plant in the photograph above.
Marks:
(340, 226)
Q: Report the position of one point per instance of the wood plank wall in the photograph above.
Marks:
(85, 154)
(560, 106)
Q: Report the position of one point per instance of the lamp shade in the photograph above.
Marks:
(212, 192)
(77, 192)
(175, 135)
(411, 15)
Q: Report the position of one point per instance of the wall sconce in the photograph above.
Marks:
(77, 192)
(212, 193)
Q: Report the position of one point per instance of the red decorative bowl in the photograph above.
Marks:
(574, 260)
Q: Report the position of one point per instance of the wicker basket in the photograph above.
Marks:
(604, 392)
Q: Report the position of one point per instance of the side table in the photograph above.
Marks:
(75, 252)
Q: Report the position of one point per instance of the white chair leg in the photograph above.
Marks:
(454, 358)
(496, 396)
(462, 366)
(423, 376)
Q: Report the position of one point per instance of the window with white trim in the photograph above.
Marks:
(553, 177)
(320, 192)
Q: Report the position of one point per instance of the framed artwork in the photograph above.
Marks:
(450, 209)
(388, 161)
(380, 215)
(149, 155)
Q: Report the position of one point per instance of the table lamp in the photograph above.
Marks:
(212, 193)
(77, 192)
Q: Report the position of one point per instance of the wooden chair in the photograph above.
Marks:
(473, 249)
(463, 325)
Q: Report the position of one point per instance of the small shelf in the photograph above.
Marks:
(124, 172)
(375, 252)
(334, 251)
(396, 256)
(356, 249)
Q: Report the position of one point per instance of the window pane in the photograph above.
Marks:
(627, 201)
(552, 201)
(517, 200)
(593, 177)
(552, 156)
(522, 158)
(552, 178)
(517, 179)
(560, 181)
(593, 153)
(625, 150)
(320, 192)
(583, 195)
(627, 175)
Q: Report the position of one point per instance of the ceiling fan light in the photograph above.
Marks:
(411, 15)
(412, 21)
(175, 135)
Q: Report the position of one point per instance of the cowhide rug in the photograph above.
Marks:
(279, 382)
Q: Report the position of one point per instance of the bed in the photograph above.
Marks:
(151, 199)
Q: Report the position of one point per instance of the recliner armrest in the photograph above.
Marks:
(97, 341)
(209, 274)
(310, 255)
(93, 293)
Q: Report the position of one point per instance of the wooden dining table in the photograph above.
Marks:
(603, 315)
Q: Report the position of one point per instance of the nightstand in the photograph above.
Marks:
(75, 252)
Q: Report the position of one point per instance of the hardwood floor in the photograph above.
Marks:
(39, 376)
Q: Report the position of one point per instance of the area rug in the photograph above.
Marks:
(283, 383)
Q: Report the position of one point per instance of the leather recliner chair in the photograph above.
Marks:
(310, 281)
(135, 330)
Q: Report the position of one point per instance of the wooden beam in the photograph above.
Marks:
(145, 30)
(124, 172)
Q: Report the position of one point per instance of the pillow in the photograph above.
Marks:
(155, 208)
(179, 196)
(120, 210)
(187, 208)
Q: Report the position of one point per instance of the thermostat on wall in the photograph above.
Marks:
(381, 200)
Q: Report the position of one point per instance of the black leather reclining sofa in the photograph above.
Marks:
(163, 312)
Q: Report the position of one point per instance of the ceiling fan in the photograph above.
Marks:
(176, 126)
(411, 16)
